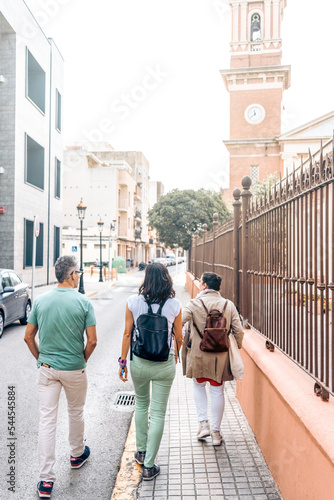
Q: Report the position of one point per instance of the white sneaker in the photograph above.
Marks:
(217, 438)
(204, 430)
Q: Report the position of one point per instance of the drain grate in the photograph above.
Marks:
(125, 401)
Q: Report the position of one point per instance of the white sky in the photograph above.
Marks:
(179, 119)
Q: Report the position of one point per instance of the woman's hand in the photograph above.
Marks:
(123, 374)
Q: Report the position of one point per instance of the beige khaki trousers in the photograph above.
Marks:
(50, 383)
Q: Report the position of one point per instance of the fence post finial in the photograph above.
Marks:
(204, 231)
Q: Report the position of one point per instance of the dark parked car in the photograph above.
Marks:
(15, 301)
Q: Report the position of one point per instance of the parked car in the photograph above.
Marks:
(171, 260)
(15, 303)
(161, 260)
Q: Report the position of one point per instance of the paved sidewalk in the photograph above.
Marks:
(191, 469)
(196, 470)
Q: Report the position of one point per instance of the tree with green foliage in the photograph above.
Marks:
(259, 188)
(178, 214)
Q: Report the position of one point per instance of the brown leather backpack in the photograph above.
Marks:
(215, 335)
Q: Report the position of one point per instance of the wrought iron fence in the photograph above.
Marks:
(277, 263)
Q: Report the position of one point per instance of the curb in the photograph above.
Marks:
(129, 474)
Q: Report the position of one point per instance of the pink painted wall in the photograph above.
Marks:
(192, 285)
(294, 428)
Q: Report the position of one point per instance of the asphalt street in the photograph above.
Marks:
(106, 426)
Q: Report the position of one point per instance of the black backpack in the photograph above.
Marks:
(151, 336)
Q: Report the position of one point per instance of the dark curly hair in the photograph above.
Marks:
(157, 285)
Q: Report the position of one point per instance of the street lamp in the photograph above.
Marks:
(111, 239)
(81, 214)
(100, 225)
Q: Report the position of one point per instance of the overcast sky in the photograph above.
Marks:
(144, 75)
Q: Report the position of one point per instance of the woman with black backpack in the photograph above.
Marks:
(153, 331)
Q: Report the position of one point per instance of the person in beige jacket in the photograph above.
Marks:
(207, 367)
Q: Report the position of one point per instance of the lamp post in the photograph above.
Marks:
(111, 239)
(100, 225)
(81, 214)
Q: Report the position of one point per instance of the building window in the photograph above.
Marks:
(28, 242)
(254, 173)
(56, 243)
(35, 82)
(256, 28)
(58, 111)
(57, 178)
(34, 167)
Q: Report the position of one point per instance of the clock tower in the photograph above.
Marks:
(256, 81)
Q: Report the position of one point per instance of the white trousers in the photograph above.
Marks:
(217, 403)
(50, 383)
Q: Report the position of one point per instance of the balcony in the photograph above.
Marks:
(138, 234)
(137, 193)
(138, 215)
(255, 46)
(123, 205)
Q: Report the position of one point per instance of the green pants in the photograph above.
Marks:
(161, 375)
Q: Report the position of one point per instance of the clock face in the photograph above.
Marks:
(254, 114)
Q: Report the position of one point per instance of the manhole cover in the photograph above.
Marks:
(125, 401)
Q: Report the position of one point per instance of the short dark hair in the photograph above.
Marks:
(64, 266)
(213, 280)
(157, 285)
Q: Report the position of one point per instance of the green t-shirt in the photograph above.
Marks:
(62, 314)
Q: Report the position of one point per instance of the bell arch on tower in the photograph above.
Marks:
(255, 30)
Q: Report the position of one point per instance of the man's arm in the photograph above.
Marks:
(30, 340)
(91, 341)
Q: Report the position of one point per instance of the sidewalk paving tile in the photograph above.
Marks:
(194, 470)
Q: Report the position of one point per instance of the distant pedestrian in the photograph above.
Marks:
(211, 367)
(61, 317)
(152, 380)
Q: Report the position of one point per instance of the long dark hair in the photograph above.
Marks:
(157, 285)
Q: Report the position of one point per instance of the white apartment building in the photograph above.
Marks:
(144, 249)
(108, 189)
(156, 190)
(31, 149)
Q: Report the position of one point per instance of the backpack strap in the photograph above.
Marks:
(206, 310)
(196, 327)
(161, 306)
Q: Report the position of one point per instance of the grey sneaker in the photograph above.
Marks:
(217, 438)
(204, 430)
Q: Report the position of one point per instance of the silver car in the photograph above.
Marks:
(15, 303)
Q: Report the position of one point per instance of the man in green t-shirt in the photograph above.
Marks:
(61, 317)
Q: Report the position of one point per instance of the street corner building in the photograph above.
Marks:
(31, 93)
